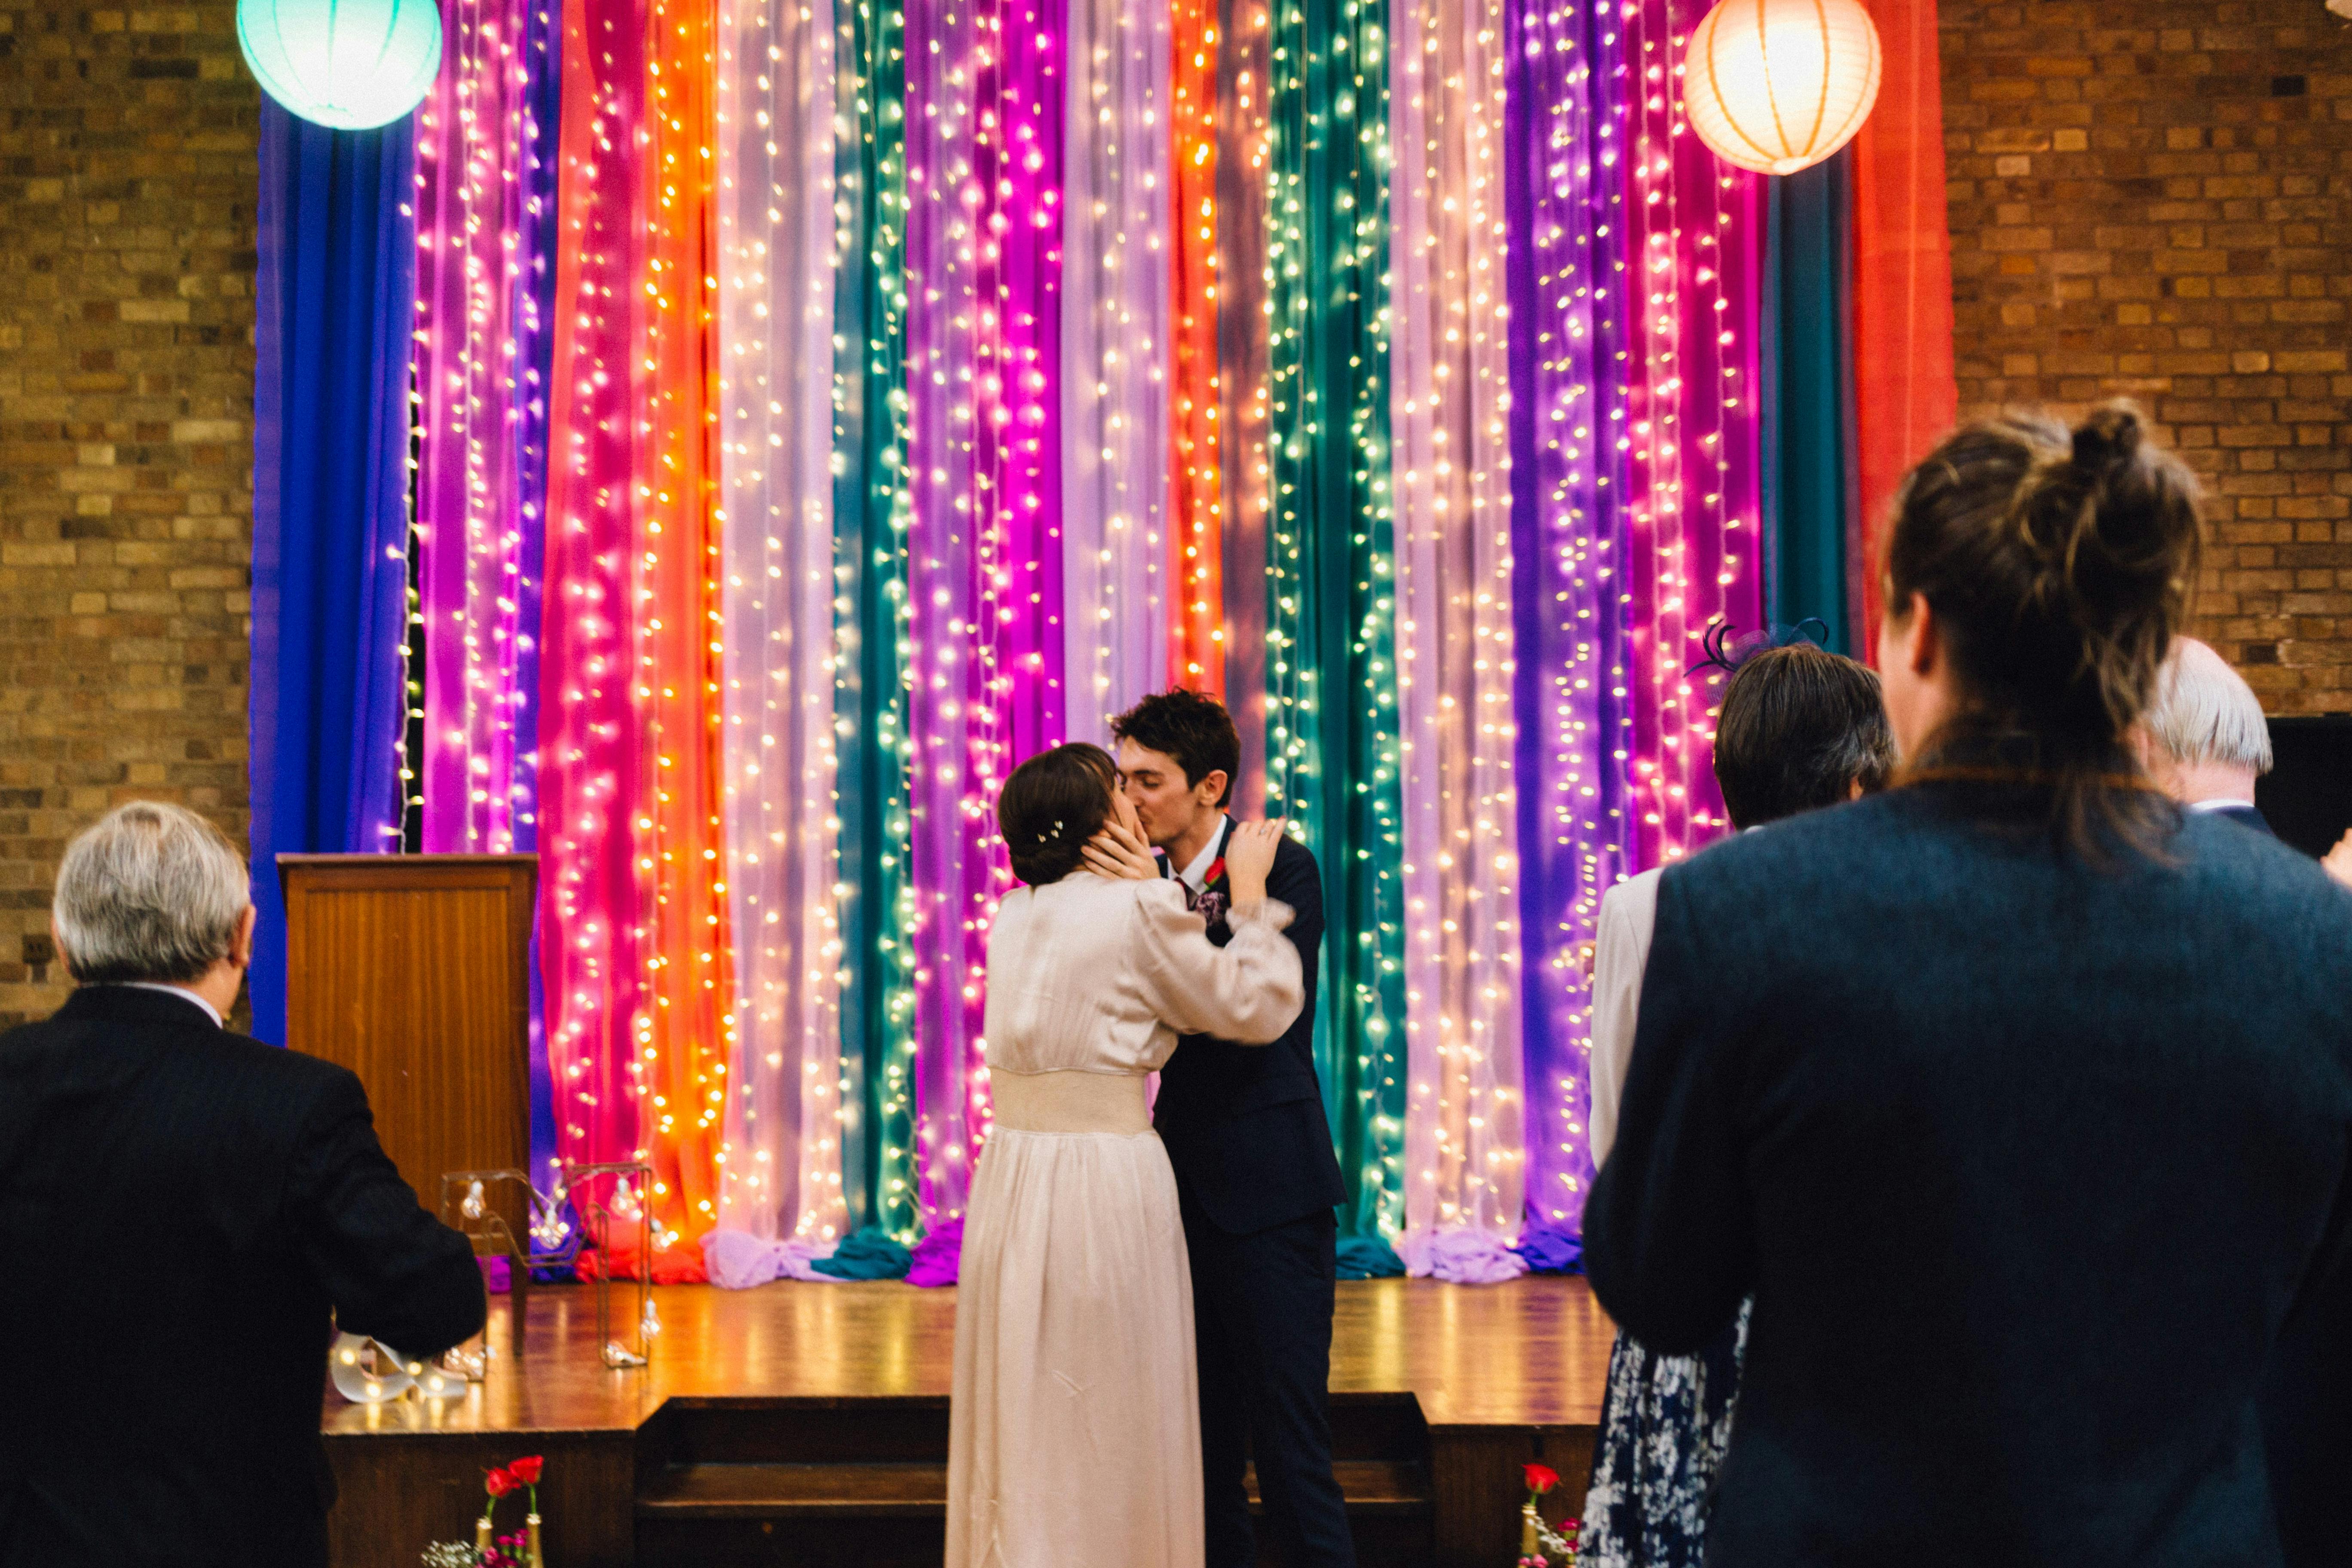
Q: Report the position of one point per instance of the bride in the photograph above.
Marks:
(1074, 1428)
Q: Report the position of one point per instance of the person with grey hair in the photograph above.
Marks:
(2203, 740)
(186, 1215)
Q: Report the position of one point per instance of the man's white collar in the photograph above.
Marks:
(1196, 875)
(183, 994)
(2201, 806)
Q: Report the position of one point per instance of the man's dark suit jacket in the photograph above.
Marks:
(2246, 816)
(1243, 1125)
(180, 1208)
(2024, 1161)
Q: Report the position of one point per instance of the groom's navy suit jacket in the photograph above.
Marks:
(1243, 1125)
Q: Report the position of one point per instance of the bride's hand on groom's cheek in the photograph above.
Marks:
(1121, 855)
(1249, 858)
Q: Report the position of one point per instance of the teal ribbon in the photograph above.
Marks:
(872, 513)
(867, 1255)
(1811, 512)
(1331, 678)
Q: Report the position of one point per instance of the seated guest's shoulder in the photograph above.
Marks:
(2226, 864)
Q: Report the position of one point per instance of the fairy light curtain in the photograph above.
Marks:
(636, 960)
(481, 363)
(873, 620)
(909, 390)
(1331, 729)
(1567, 284)
(1116, 347)
(1449, 416)
(780, 1165)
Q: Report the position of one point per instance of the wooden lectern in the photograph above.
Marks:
(413, 971)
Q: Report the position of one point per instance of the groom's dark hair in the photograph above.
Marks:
(1194, 729)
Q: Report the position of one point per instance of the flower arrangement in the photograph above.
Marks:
(1540, 1546)
(518, 1550)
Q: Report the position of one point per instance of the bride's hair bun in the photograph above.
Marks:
(1051, 805)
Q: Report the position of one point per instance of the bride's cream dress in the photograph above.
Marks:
(1075, 1432)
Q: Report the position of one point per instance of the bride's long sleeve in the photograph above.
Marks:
(1249, 990)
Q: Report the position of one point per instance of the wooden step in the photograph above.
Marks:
(919, 1491)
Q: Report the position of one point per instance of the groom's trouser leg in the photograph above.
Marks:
(1269, 1295)
(1224, 1408)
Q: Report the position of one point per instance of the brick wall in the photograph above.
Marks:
(2155, 200)
(127, 184)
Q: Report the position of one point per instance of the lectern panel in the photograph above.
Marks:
(413, 970)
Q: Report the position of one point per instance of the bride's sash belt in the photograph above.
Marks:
(1070, 1102)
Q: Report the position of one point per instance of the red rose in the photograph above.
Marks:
(525, 1470)
(1541, 1478)
(500, 1483)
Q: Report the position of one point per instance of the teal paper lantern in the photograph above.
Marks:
(351, 65)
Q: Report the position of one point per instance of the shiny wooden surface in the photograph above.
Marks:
(414, 971)
(1530, 1353)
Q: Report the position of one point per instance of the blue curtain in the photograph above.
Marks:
(1812, 521)
(335, 295)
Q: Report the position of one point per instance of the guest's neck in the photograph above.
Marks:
(2191, 783)
(1188, 845)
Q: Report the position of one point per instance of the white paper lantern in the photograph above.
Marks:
(352, 65)
(1777, 86)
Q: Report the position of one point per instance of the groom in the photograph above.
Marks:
(1244, 1128)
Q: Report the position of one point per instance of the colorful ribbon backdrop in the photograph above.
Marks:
(824, 406)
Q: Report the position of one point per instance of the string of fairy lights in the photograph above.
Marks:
(873, 516)
(1196, 646)
(1116, 289)
(1450, 401)
(1570, 435)
(780, 1155)
(485, 188)
(1332, 757)
(927, 384)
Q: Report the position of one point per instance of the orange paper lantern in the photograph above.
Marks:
(1777, 86)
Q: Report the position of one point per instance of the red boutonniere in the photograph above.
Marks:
(1211, 901)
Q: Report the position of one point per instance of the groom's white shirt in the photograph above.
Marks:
(1196, 875)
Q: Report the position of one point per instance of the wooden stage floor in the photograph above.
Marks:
(1533, 1352)
(834, 1399)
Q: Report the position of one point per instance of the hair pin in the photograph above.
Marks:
(1728, 655)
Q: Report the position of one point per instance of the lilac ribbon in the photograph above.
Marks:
(1461, 1256)
(1564, 125)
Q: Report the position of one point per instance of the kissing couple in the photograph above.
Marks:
(1146, 1287)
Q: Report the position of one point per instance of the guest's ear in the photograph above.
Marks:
(57, 944)
(1926, 636)
(241, 947)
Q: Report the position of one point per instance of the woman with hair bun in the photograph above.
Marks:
(1074, 1432)
(2019, 1104)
